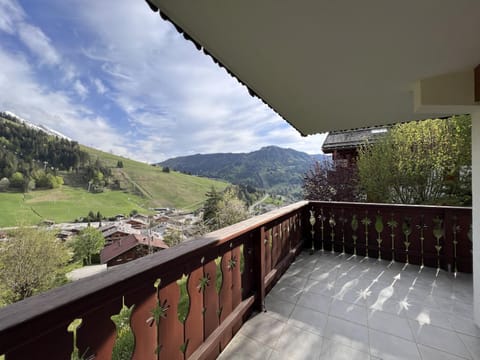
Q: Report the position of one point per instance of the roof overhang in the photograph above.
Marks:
(326, 65)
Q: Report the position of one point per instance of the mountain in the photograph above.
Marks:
(93, 180)
(272, 168)
(11, 116)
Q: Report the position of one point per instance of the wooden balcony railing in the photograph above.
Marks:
(188, 301)
(433, 236)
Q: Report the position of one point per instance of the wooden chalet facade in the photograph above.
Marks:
(344, 144)
(129, 248)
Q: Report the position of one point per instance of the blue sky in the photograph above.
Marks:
(115, 76)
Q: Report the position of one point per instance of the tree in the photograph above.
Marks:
(31, 261)
(17, 180)
(423, 162)
(331, 182)
(166, 169)
(172, 237)
(230, 209)
(119, 164)
(88, 242)
(210, 208)
(223, 209)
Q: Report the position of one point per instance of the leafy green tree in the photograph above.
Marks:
(165, 169)
(17, 180)
(230, 209)
(119, 164)
(88, 242)
(423, 162)
(210, 208)
(172, 237)
(223, 209)
(31, 261)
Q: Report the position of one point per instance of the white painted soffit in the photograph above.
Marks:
(338, 64)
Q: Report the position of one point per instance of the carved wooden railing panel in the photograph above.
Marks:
(184, 302)
(433, 236)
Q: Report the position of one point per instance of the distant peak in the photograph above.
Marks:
(43, 128)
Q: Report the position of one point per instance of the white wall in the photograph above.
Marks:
(476, 213)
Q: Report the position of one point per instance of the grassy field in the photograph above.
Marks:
(145, 187)
(63, 204)
(160, 189)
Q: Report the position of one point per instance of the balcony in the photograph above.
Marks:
(382, 281)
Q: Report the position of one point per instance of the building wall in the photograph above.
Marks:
(476, 214)
(132, 254)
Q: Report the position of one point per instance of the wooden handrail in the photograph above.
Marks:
(267, 244)
(25, 321)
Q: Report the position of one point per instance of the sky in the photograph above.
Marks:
(121, 79)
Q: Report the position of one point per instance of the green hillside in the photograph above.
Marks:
(137, 185)
(159, 189)
(63, 205)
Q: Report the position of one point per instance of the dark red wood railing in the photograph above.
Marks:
(219, 279)
(224, 275)
(434, 236)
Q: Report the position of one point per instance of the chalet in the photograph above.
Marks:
(140, 217)
(115, 233)
(130, 248)
(344, 144)
(137, 223)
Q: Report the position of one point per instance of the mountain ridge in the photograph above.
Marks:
(271, 168)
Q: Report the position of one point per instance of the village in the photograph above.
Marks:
(132, 237)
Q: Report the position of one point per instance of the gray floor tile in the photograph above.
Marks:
(317, 302)
(347, 333)
(244, 348)
(429, 353)
(263, 328)
(349, 312)
(333, 350)
(308, 319)
(464, 325)
(279, 309)
(323, 275)
(319, 287)
(427, 315)
(286, 293)
(438, 338)
(390, 324)
(473, 345)
(389, 347)
(292, 281)
(295, 343)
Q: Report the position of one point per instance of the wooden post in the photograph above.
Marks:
(259, 266)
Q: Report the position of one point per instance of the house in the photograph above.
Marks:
(113, 233)
(141, 217)
(137, 223)
(344, 144)
(129, 248)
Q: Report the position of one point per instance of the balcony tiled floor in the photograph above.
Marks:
(332, 306)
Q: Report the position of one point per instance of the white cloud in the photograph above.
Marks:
(33, 101)
(38, 43)
(170, 89)
(80, 88)
(10, 14)
(176, 100)
(100, 86)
